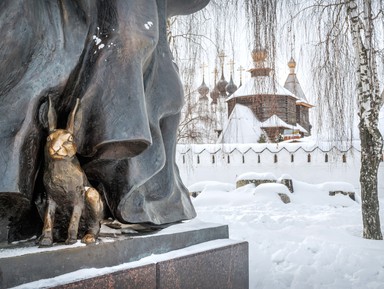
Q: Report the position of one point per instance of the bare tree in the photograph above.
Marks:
(345, 49)
(348, 44)
(344, 65)
(188, 36)
(369, 101)
(203, 36)
(197, 123)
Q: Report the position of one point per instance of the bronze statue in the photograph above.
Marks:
(71, 201)
(114, 56)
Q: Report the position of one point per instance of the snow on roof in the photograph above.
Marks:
(242, 127)
(275, 121)
(261, 85)
(300, 128)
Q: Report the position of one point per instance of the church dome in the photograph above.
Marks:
(221, 85)
(214, 95)
(259, 55)
(203, 89)
(231, 86)
(292, 65)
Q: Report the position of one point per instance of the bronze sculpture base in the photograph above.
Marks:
(24, 265)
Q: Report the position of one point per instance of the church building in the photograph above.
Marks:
(263, 110)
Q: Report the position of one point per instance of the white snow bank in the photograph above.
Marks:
(268, 193)
(337, 186)
(304, 193)
(313, 242)
(210, 185)
(270, 188)
(224, 198)
(284, 177)
(318, 195)
(255, 176)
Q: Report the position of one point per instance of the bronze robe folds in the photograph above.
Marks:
(114, 56)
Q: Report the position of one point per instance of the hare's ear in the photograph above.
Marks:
(71, 118)
(52, 119)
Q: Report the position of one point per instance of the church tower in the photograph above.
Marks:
(302, 105)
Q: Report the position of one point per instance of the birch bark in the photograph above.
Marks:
(369, 102)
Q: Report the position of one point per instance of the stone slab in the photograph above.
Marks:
(222, 268)
(24, 266)
(143, 277)
(218, 264)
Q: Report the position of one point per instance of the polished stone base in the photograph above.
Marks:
(221, 267)
(186, 255)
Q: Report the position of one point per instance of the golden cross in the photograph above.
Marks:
(215, 73)
(231, 64)
(203, 66)
(241, 69)
(221, 57)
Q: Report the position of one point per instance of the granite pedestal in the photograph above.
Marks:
(186, 255)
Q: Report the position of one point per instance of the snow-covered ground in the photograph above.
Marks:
(313, 242)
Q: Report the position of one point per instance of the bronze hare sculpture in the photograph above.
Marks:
(74, 208)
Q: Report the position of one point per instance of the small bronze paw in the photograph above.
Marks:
(70, 241)
(88, 239)
(45, 242)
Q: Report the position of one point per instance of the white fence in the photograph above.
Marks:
(306, 162)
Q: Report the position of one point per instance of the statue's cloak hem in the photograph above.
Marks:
(133, 162)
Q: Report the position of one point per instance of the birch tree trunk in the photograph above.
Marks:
(369, 104)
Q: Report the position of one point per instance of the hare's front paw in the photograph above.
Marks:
(88, 239)
(70, 241)
(45, 241)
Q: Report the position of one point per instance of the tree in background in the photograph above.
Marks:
(187, 37)
(343, 42)
(347, 48)
(203, 36)
(369, 102)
